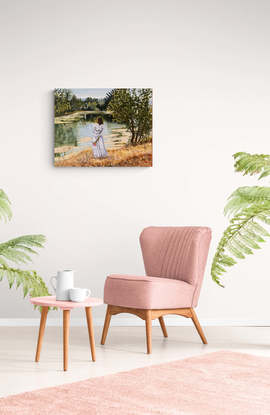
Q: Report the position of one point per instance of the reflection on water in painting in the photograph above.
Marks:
(71, 136)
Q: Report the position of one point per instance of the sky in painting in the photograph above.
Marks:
(90, 92)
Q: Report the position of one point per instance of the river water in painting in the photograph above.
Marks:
(77, 134)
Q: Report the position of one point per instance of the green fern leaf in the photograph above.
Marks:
(264, 218)
(259, 229)
(18, 280)
(252, 236)
(17, 250)
(2, 261)
(243, 197)
(234, 250)
(10, 278)
(227, 261)
(25, 289)
(30, 281)
(5, 210)
(252, 164)
(243, 235)
(243, 245)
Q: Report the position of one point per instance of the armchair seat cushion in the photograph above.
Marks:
(147, 292)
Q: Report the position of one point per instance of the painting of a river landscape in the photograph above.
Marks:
(103, 127)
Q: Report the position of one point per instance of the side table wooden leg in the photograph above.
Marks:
(66, 318)
(43, 318)
(89, 319)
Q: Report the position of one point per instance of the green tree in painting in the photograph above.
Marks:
(108, 98)
(133, 107)
(17, 251)
(75, 103)
(65, 102)
(101, 104)
(62, 101)
(91, 104)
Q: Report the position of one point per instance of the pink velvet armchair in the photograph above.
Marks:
(174, 260)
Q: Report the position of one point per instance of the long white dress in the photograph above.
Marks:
(98, 145)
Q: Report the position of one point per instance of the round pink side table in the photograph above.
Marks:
(66, 306)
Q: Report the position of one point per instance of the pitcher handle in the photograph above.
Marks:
(52, 284)
(88, 293)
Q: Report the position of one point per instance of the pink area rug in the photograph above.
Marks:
(221, 383)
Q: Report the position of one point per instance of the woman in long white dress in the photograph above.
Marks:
(98, 146)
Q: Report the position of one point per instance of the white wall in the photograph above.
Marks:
(208, 63)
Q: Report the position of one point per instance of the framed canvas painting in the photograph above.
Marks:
(103, 127)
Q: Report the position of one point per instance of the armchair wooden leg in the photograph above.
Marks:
(198, 326)
(148, 326)
(106, 325)
(42, 325)
(163, 327)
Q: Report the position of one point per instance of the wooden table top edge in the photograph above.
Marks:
(50, 301)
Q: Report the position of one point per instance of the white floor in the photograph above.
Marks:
(124, 350)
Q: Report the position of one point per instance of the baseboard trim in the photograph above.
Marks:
(122, 322)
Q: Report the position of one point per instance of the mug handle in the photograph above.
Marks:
(51, 282)
(88, 293)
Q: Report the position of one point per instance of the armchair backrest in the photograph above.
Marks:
(176, 252)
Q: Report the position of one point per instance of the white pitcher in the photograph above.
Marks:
(64, 281)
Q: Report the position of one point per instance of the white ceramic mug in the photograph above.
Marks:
(64, 281)
(79, 294)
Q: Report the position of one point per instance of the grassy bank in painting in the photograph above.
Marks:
(128, 156)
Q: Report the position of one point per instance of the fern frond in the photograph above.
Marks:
(30, 281)
(245, 196)
(18, 250)
(243, 235)
(252, 164)
(5, 210)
